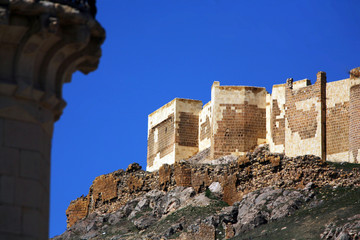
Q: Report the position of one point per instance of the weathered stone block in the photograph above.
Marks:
(182, 175)
(134, 183)
(164, 176)
(31, 220)
(31, 165)
(78, 209)
(12, 222)
(104, 187)
(9, 161)
(23, 135)
(7, 189)
(28, 193)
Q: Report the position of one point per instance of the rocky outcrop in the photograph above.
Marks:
(239, 176)
(111, 191)
(348, 231)
(259, 188)
(153, 215)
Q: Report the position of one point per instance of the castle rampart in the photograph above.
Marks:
(238, 119)
(297, 118)
(173, 132)
(337, 119)
(304, 118)
(354, 123)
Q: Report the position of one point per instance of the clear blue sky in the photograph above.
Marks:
(157, 50)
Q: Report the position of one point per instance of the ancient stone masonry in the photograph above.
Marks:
(303, 114)
(297, 118)
(42, 43)
(173, 132)
(78, 209)
(354, 126)
(237, 177)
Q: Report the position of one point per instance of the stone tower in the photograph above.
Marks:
(42, 43)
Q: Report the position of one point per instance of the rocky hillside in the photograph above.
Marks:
(261, 195)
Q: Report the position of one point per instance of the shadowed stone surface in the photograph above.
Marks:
(42, 43)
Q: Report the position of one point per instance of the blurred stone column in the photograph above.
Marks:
(41, 44)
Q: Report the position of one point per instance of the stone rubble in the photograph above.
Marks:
(259, 187)
(349, 231)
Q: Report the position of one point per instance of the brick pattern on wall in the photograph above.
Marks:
(104, 189)
(187, 131)
(239, 129)
(165, 139)
(77, 210)
(300, 121)
(182, 175)
(354, 128)
(337, 128)
(205, 129)
(277, 125)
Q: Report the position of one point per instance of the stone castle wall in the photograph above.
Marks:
(238, 119)
(205, 127)
(253, 171)
(354, 122)
(275, 119)
(173, 132)
(303, 118)
(337, 120)
(297, 118)
(186, 128)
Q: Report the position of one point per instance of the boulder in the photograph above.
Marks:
(144, 222)
(133, 167)
(216, 188)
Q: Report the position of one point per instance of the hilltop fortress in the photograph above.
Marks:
(297, 118)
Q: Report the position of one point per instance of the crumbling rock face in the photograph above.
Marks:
(265, 205)
(77, 210)
(111, 191)
(256, 208)
(240, 176)
(141, 213)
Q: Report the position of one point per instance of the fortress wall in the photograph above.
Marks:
(337, 120)
(276, 119)
(300, 84)
(296, 119)
(354, 123)
(173, 132)
(268, 113)
(161, 137)
(205, 127)
(238, 119)
(186, 128)
(78, 209)
(305, 117)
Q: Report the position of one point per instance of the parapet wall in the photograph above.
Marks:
(297, 118)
